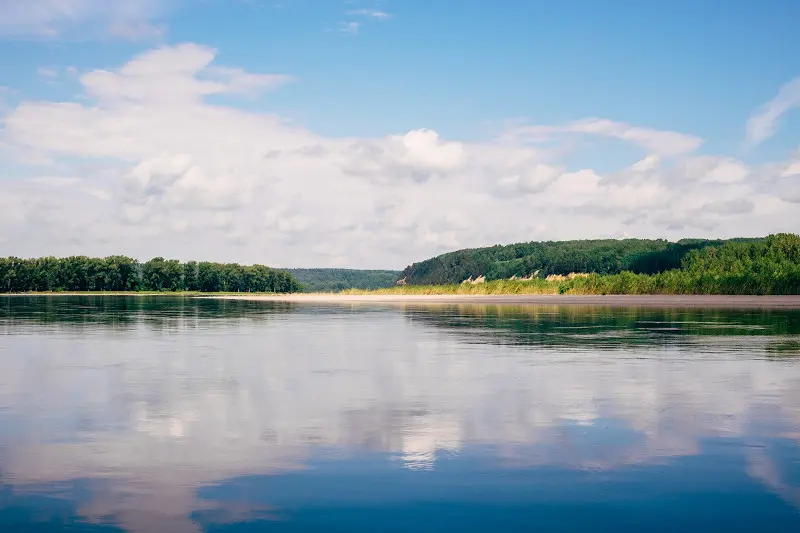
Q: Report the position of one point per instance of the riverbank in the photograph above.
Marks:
(174, 294)
(685, 301)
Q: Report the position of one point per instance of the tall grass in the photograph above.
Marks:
(670, 282)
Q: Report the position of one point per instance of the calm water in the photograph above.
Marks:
(185, 415)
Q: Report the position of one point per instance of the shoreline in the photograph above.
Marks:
(626, 300)
(611, 300)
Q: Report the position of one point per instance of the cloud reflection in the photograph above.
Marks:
(163, 400)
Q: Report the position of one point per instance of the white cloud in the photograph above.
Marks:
(647, 164)
(185, 75)
(240, 82)
(715, 169)
(164, 171)
(370, 13)
(136, 30)
(793, 169)
(656, 142)
(351, 27)
(764, 122)
(54, 181)
(417, 155)
(129, 19)
(46, 72)
(576, 185)
(731, 207)
(532, 178)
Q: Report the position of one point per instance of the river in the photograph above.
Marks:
(177, 414)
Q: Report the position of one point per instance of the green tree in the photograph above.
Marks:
(191, 281)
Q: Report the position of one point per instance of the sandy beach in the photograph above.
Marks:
(676, 301)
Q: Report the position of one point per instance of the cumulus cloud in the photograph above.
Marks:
(185, 75)
(764, 122)
(788, 190)
(129, 19)
(417, 155)
(647, 164)
(163, 169)
(714, 169)
(533, 178)
(791, 170)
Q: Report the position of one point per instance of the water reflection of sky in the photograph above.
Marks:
(161, 416)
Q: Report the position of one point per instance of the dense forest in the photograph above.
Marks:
(119, 273)
(608, 256)
(339, 279)
(746, 266)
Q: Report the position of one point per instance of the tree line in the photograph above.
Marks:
(120, 273)
(339, 279)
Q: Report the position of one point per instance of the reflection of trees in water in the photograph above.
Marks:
(610, 327)
(127, 312)
(784, 348)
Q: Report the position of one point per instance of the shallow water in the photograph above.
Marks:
(172, 414)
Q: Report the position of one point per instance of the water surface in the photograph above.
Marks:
(168, 414)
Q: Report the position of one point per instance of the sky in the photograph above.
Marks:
(373, 134)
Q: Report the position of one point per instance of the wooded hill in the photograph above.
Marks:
(607, 256)
(741, 266)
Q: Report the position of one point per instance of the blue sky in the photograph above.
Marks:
(366, 74)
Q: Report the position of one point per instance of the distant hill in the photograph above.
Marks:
(608, 256)
(339, 279)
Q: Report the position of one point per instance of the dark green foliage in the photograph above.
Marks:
(339, 279)
(118, 273)
(608, 256)
(755, 267)
(191, 281)
(770, 266)
(159, 274)
(208, 277)
(671, 257)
